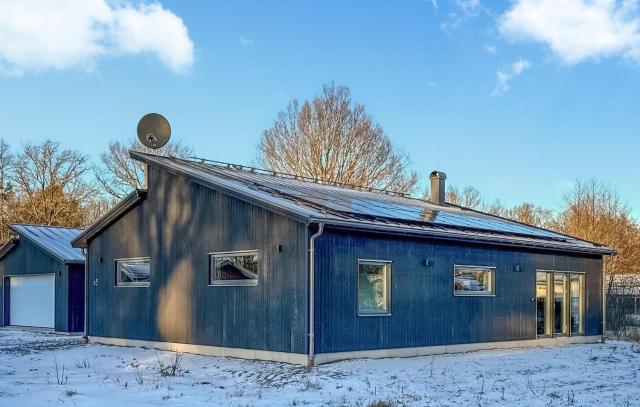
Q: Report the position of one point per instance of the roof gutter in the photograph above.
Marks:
(312, 250)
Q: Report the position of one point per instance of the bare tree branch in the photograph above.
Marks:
(331, 139)
(119, 174)
(50, 185)
(7, 162)
(594, 211)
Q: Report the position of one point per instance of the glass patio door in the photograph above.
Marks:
(559, 303)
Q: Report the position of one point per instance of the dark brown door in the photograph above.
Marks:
(76, 298)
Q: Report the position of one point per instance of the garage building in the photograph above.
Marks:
(42, 279)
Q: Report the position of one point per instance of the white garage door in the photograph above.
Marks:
(31, 300)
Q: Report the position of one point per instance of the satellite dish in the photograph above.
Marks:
(154, 130)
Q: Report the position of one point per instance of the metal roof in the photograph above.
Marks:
(353, 207)
(55, 240)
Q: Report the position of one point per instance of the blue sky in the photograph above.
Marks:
(499, 95)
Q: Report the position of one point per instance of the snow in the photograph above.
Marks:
(97, 375)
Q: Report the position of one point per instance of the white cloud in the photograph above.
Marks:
(468, 6)
(490, 49)
(432, 84)
(434, 3)
(576, 30)
(39, 35)
(461, 12)
(246, 41)
(505, 75)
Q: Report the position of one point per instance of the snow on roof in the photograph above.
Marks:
(356, 207)
(53, 239)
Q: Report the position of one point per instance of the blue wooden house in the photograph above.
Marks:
(222, 259)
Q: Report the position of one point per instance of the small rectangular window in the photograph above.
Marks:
(473, 280)
(234, 268)
(133, 272)
(374, 279)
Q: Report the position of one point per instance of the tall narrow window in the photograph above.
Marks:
(543, 305)
(577, 303)
(473, 280)
(133, 272)
(560, 304)
(233, 268)
(374, 280)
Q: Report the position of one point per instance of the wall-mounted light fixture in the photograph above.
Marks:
(517, 268)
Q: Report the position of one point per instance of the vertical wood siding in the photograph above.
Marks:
(424, 311)
(27, 258)
(178, 224)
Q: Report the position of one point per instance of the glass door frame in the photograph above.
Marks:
(550, 303)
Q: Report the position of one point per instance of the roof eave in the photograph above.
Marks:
(122, 208)
(7, 247)
(74, 262)
(462, 238)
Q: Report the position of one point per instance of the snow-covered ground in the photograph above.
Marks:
(40, 369)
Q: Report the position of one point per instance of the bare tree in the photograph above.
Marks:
(51, 185)
(332, 139)
(6, 188)
(594, 211)
(97, 206)
(469, 197)
(119, 174)
(531, 214)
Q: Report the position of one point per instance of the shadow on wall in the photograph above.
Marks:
(174, 304)
(173, 227)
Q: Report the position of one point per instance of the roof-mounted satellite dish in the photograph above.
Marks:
(154, 130)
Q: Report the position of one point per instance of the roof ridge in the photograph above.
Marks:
(278, 174)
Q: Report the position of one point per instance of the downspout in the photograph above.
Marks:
(85, 328)
(312, 248)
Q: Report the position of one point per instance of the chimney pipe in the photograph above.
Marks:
(438, 187)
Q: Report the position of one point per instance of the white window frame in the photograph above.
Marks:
(492, 281)
(233, 283)
(119, 283)
(387, 288)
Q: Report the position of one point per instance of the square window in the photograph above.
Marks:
(473, 280)
(374, 280)
(234, 268)
(133, 272)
